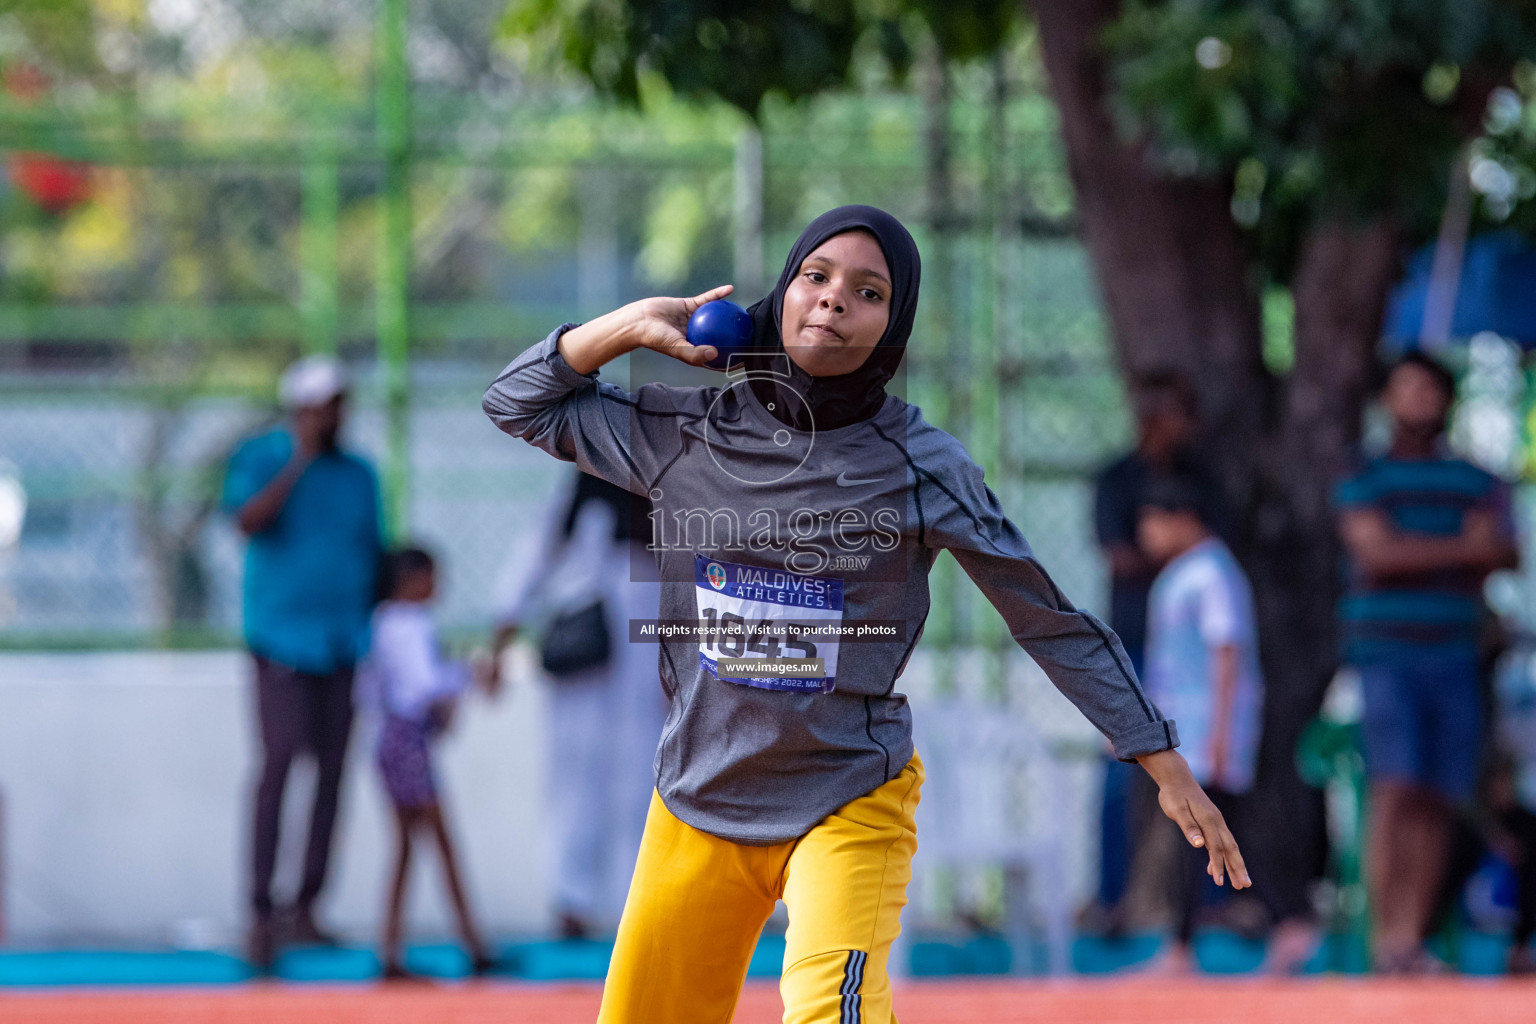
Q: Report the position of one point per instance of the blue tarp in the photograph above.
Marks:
(1497, 292)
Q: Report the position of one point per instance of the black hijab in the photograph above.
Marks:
(848, 397)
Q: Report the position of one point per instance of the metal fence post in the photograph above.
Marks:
(320, 203)
(393, 287)
(747, 215)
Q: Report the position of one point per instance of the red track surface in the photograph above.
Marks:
(1332, 1001)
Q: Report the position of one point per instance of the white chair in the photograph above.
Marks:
(994, 796)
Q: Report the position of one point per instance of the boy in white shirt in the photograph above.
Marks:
(1202, 665)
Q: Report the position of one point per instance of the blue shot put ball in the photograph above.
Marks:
(724, 325)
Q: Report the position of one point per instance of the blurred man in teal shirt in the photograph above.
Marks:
(311, 511)
(1423, 530)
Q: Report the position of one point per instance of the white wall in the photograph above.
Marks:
(126, 780)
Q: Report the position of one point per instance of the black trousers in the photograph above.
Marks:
(298, 711)
(1522, 824)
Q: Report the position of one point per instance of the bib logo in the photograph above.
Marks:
(716, 575)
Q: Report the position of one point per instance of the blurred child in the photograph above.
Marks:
(410, 686)
(1202, 666)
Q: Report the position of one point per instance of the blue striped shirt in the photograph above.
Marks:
(1439, 609)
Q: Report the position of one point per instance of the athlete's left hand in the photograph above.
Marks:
(1182, 799)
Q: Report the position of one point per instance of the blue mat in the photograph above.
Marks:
(532, 960)
(107, 967)
(543, 960)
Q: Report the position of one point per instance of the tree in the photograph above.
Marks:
(1287, 143)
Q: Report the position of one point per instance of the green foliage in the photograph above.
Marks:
(743, 52)
(1503, 160)
(680, 224)
(53, 35)
(967, 29)
(196, 138)
(738, 52)
(1355, 104)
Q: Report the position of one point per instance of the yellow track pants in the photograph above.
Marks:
(697, 904)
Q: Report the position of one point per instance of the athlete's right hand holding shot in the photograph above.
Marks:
(656, 323)
(797, 512)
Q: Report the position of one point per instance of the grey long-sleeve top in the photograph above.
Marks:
(805, 537)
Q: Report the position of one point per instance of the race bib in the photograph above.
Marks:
(781, 624)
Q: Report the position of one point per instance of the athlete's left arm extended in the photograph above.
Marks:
(1081, 655)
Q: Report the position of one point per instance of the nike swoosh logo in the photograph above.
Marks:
(844, 481)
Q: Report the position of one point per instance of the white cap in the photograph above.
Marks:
(312, 381)
(13, 510)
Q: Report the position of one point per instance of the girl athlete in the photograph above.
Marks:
(802, 500)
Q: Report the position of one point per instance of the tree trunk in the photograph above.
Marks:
(1175, 280)
(1291, 548)
(1180, 293)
